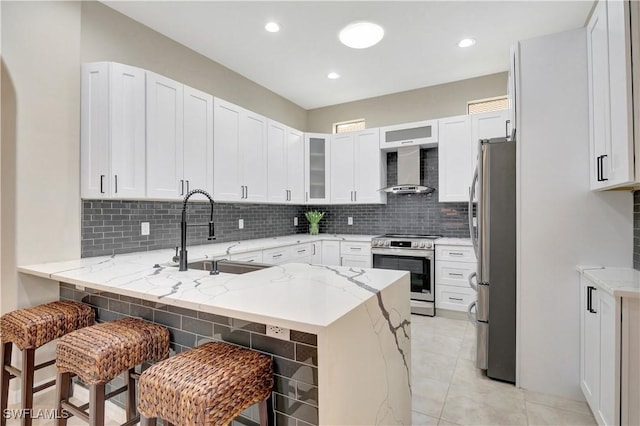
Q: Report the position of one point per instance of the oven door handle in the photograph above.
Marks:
(471, 283)
(470, 315)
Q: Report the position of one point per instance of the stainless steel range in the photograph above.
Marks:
(413, 253)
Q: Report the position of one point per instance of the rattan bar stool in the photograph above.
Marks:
(207, 385)
(30, 329)
(97, 355)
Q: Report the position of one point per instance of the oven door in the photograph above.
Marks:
(418, 262)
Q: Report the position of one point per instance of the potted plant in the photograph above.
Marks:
(314, 216)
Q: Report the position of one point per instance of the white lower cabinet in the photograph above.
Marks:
(331, 253)
(250, 256)
(454, 264)
(316, 253)
(356, 254)
(609, 354)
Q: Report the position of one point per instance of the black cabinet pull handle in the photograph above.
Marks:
(181, 186)
(456, 298)
(187, 186)
(590, 289)
(102, 184)
(602, 167)
(506, 128)
(116, 183)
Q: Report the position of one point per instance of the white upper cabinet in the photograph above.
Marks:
(317, 168)
(240, 154)
(358, 168)
(610, 96)
(285, 156)
(455, 158)
(422, 133)
(112, 131)
(512, 89)
(179, 139)
(198, 140)
(458, 150)
(165, 149)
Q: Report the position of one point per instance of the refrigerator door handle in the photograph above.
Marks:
(473, 285)
(482, 306)
(471, 315)
(472, 193)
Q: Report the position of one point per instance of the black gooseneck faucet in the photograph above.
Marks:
(183, 226)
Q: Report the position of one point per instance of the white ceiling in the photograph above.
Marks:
(419, 48)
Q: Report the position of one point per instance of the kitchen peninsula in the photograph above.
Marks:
(358, 318)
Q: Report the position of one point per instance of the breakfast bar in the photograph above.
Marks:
(359, 372)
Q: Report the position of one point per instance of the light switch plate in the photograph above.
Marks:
(349, 220)
(278, 332)
(240, 223)
(144, 228)
(295, 221)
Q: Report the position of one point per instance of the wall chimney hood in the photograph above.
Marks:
(408, 173)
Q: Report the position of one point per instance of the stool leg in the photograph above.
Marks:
(96, 405)
(63, 393)
(131, 395)
(28, 362)
(146, 421)
(5, 359)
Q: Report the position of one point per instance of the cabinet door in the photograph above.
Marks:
(226, 151)
(316, 254)
(342, 160)
(331, 253)
(487, 125)
(276, 162)
(253, 156)
(609, 392)
(276, 256)
(512, 87)
(355, 261)
(94, 131)
(589, 344)
(295, 166)
(198, 140)
(252, 256)
(369, 169)
(598, 84)
(317, 168)
(455, 159)
(164, 137)
(127, 136)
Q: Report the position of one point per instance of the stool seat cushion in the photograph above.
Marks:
(33, 327)
(207, 385)
(97, 354)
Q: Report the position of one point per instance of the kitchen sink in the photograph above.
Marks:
(228, 266)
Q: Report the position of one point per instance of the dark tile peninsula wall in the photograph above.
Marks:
(113, 227)
(295, 397)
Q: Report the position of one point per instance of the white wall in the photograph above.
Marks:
(40, 144)
(561, 223)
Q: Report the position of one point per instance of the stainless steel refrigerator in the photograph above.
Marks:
(494, 241)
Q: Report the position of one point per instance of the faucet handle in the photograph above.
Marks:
(176, 258)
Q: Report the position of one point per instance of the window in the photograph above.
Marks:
(349, 126)
(487, 105)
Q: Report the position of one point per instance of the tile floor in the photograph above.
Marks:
(447, 388)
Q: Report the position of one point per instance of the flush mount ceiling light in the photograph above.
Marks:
(360, 35)
(333, 75)
(466, 42)
(272, 27)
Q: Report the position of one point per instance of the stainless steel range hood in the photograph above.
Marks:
(409, 173)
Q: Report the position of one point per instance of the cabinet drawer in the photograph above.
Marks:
(454, 298)
(252, 256)
(355, 248)
(355, 261)
(455, 253)
(299, 251)
(454, 273)
(276, 255)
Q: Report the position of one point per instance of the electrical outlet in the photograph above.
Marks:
(240, 223)
(349, 220)
(278, 332)
(144, 228)
(295, 221)
(475, 221)
(79, 287)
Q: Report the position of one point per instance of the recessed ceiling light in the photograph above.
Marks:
(333, 75)
(466, 42)
(272, 27)
(360, 35)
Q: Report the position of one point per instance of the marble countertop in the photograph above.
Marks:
(618, 282)
(453, 242)
(299, 296)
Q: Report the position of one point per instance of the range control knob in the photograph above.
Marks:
(414, 244)
(386, 244)
(374, 243)
(422, 244)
